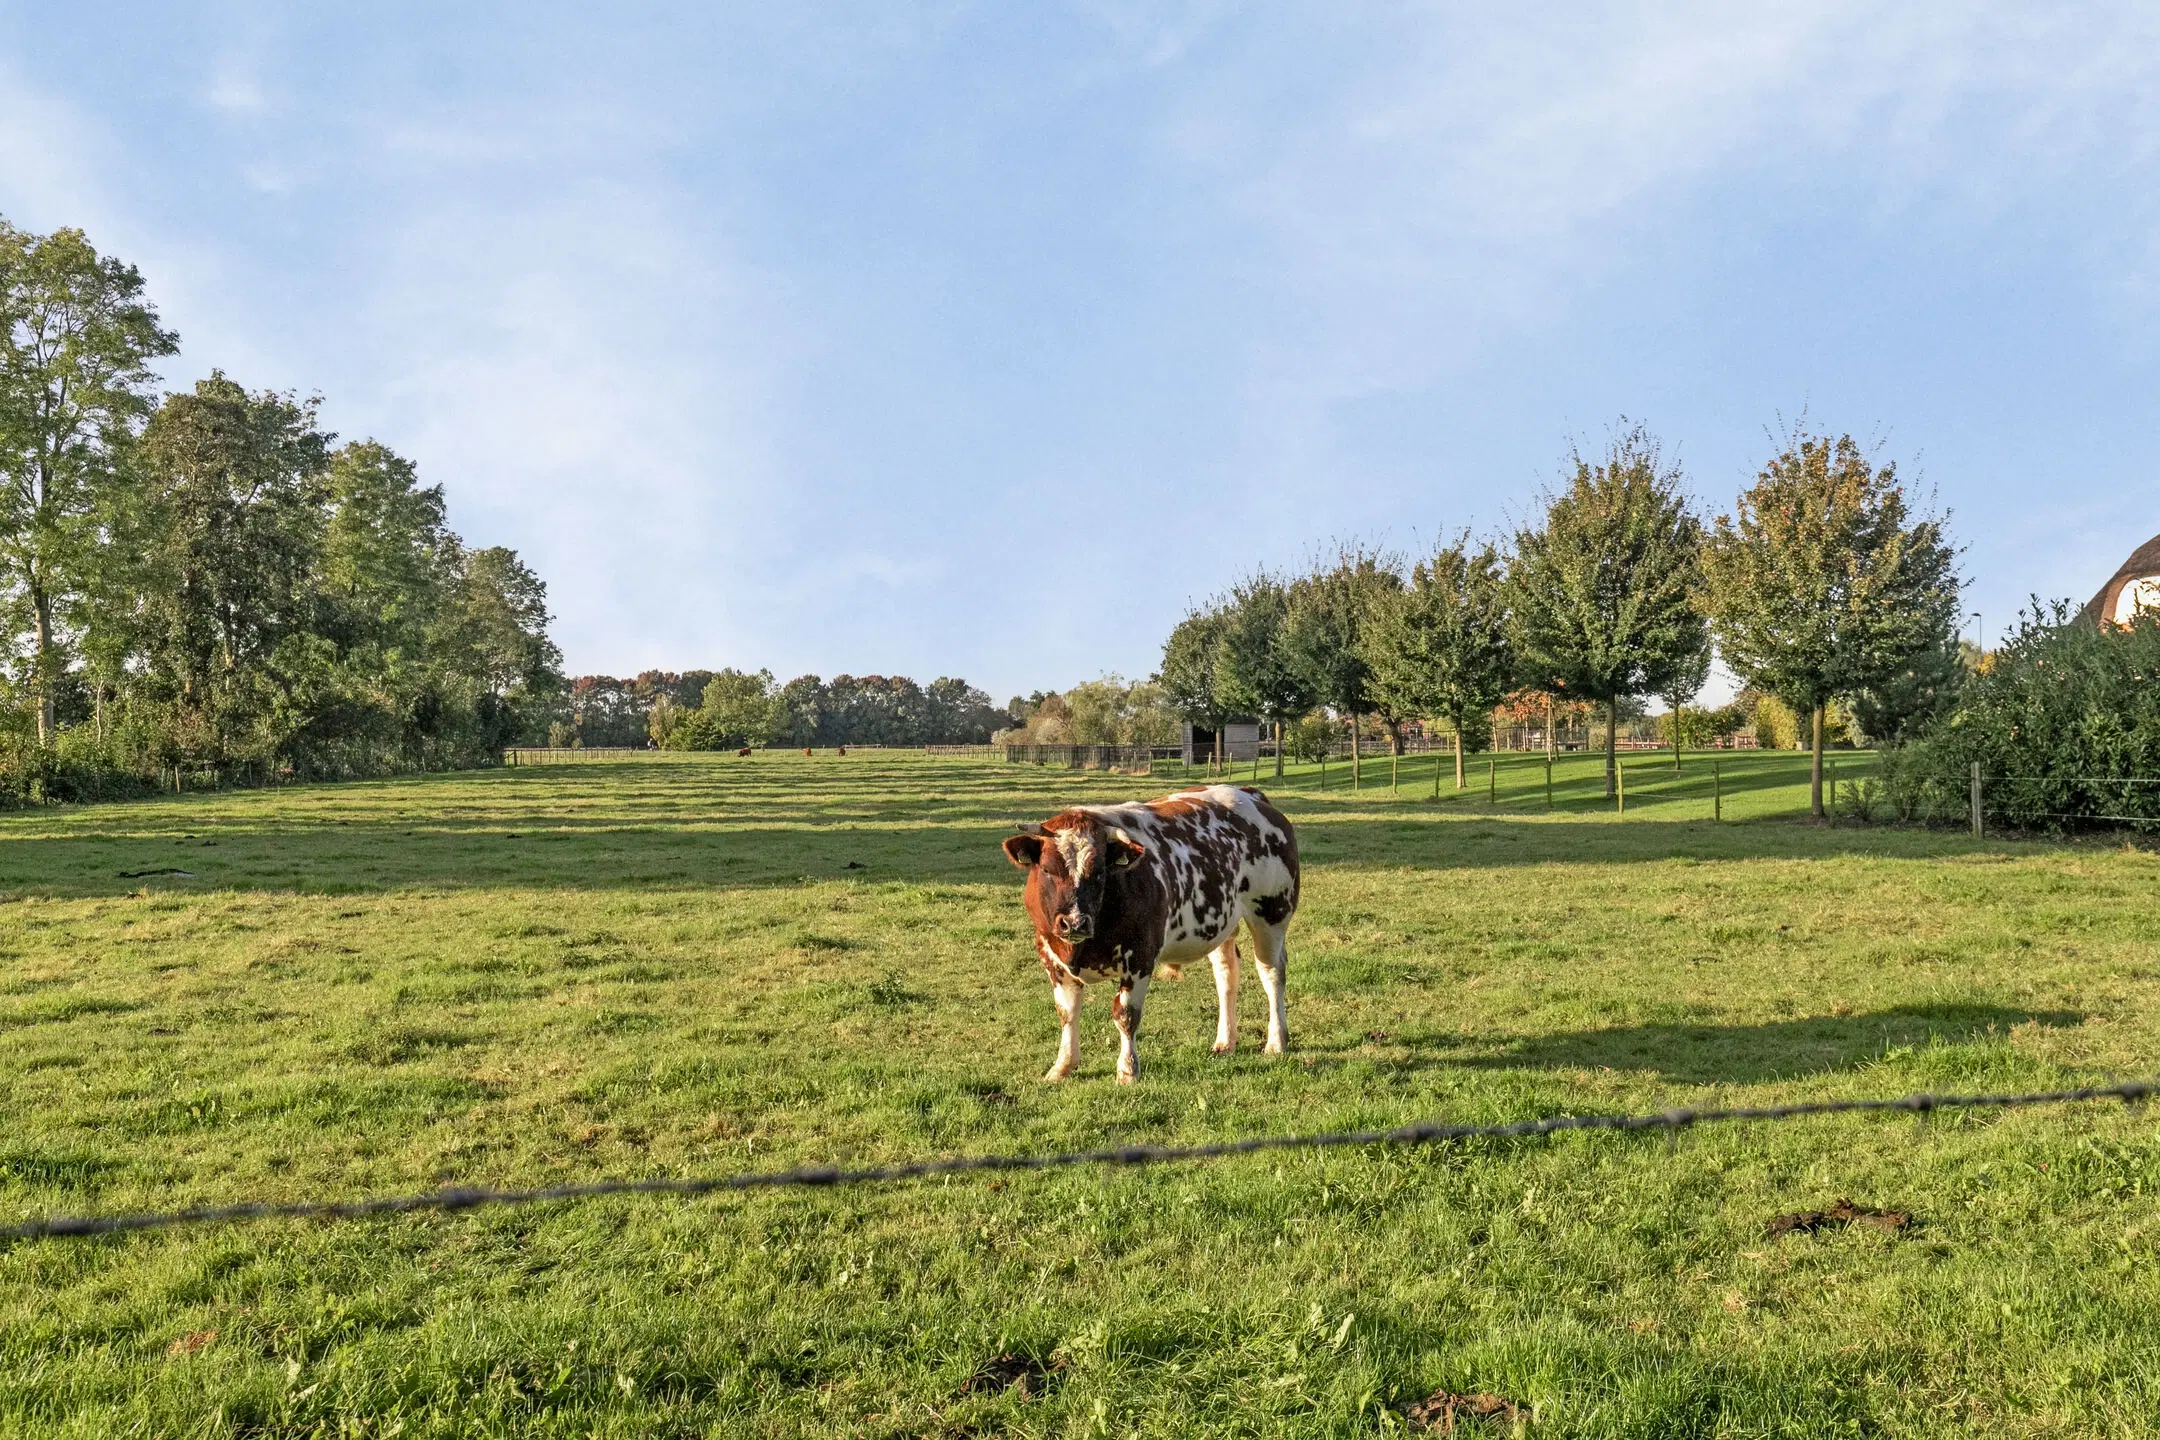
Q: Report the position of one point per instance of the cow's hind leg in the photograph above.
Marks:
(1271, 957)
(1224, 958)
(1126, 1011)
(1066, 993)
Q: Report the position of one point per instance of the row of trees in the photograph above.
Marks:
(727, 709)
(207, 577)
(1107, 711)
(1820, 586)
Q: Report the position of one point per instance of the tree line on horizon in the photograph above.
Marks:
(206, 578)
(1821, 590)
(729, 709)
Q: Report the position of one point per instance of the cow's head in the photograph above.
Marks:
(1070, 863)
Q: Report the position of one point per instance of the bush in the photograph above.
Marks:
(2059, 720)
(1308, 739)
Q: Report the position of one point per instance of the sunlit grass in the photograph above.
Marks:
(699, 966)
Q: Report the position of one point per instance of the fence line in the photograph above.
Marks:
(825, 1176)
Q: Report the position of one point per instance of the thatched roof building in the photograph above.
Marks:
(2135, 587)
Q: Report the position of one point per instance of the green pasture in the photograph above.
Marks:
(700, 965)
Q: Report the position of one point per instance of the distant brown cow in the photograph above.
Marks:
(743, 754)
(1117, 891)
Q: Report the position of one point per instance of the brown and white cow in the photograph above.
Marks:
(1119, 891)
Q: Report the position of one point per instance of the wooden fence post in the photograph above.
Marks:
(1620, 788)
(1717, 794)
(1548, 780)
(1977, 824)
(1492, 780)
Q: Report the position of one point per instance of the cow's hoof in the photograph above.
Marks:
(1226, 1047)
(1128, 1077)
(1275, 1047)
(1056, 1073)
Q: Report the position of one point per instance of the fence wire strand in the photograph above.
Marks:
(821, 1176)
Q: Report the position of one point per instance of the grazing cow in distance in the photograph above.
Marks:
(1119, 891)
(743, 754)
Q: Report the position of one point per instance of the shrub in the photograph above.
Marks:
(1308, 739)
(2061, 720)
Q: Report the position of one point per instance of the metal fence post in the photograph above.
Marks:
(1978, 828)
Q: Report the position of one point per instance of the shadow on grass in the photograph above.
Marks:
(1748, 1054)
(538, 851)
(710, 826)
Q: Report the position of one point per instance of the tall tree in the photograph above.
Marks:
(1602, 592)
(1683, 685)
(496, 634)
(1822, 584)
(232, 518)
(76, 342)
(386, 554)
(1192, 672)
(1440, 647)
(1329, 612)
(1260, 671)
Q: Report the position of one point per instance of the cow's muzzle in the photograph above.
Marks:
(1074, 927)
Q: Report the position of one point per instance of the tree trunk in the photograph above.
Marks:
(1612, 747)
(1676, 731)
(1278, 749)
(1459, 783)
(1548, 727)
(1215, 768)
(1394, 735)
(1353, 752)
(1815, 768)
(41, 607)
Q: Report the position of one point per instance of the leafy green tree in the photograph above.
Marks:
(1192, 673)
(1440, 646)
(1260, 671)
(497, 635)
(1926, 688)
(77, 339)
(1111, 711)
(800, 713)
(1602, 593)
(387, 554)
(230, 520)
(737, 709)
(1822, 585)
(1329, 612)
(1686, 682)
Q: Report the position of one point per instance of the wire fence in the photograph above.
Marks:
(826, 1176)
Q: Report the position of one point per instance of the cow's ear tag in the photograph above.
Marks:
(1125, 850)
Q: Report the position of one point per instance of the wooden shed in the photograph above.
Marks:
(2134, 587)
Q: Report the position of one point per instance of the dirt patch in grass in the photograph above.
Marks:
(1837, 1217)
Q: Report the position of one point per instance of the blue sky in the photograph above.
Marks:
(983, 339)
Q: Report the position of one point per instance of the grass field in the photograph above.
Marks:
(700, 966)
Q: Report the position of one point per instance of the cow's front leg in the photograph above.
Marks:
(1126, 1011)
(1066, 994)
(1225, 960)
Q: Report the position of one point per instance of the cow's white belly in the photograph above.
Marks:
(1193, 946)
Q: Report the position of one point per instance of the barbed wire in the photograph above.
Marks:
(467, 1198)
